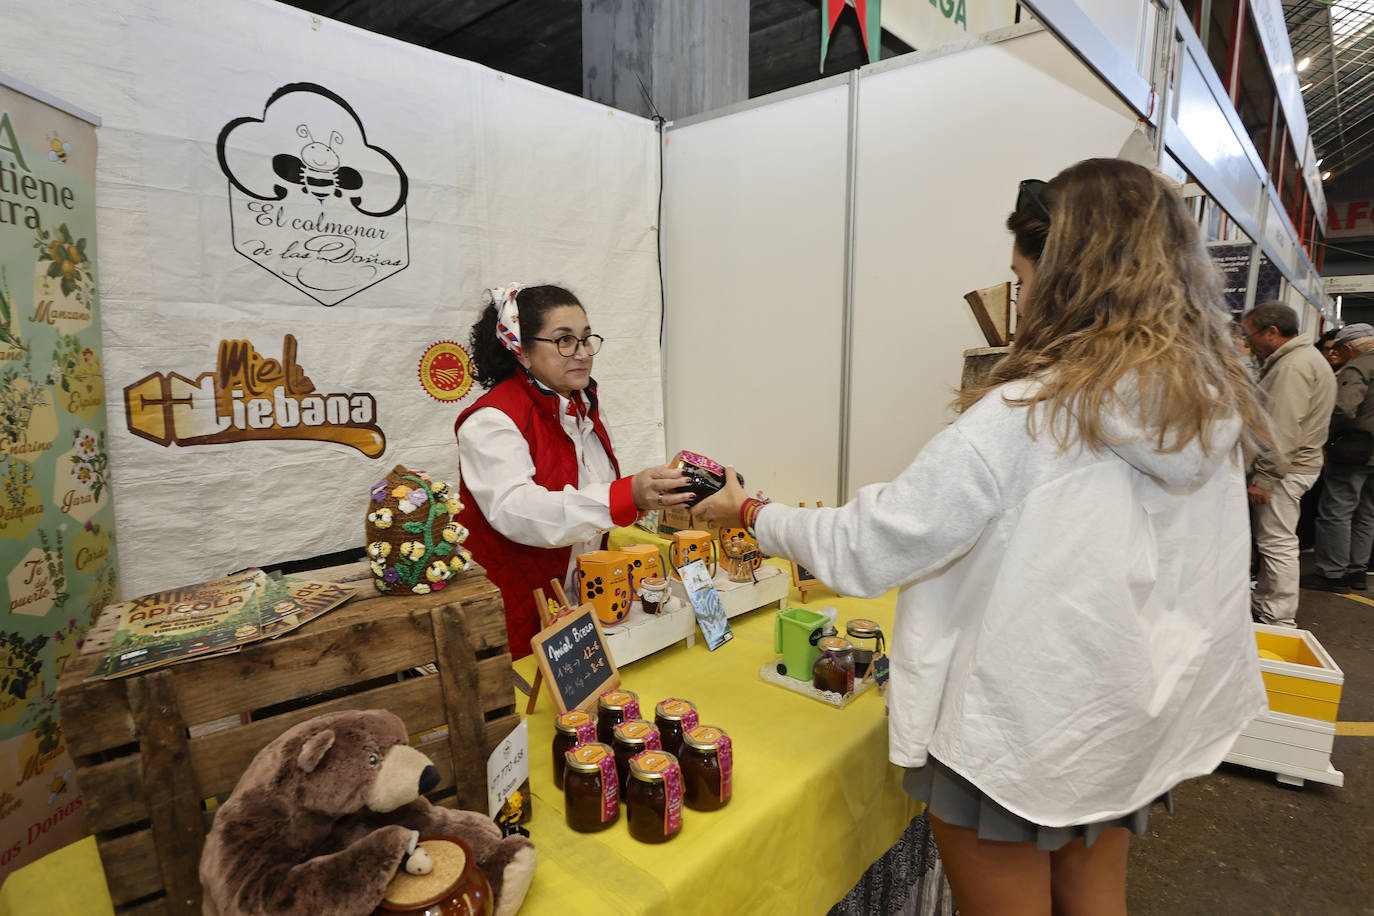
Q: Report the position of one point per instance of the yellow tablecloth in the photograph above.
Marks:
(816, 801)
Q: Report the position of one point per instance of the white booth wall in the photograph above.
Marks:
(753, 267)
(942, 141)
(509, 181)
(943, 144)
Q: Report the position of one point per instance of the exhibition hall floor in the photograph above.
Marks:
(1239, 842)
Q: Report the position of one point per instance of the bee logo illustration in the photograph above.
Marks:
(58, 149)
(317, 169)
(60, 783)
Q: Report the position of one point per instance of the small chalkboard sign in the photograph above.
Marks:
(572, 656)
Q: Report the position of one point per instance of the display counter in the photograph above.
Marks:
(815, 801)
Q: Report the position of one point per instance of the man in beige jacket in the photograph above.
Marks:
(1301, 392)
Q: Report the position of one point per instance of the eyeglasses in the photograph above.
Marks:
(567, 344)
(1027, 198)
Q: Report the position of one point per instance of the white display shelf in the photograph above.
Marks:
(641, 634)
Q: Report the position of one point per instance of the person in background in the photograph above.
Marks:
(1327, 346)
(1072, 635)
(540, 483)
(1300, 393)
(1345, 513)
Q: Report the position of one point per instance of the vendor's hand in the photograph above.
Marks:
(722, 507)
(1258, 495)
(652, 488)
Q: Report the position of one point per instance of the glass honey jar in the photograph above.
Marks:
(708, 764)
(674, 718)
(571, 729)
(591, 793)
(653, 797)
(863, 628)
(612, 708)
(629, 738)
(834, 670)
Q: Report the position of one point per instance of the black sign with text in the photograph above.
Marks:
(572, 654)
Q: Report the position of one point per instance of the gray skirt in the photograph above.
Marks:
(955, 800)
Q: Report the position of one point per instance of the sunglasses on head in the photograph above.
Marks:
(1028, 199)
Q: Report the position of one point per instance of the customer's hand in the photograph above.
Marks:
(1258, 496)
(722, 508)
(652, 488)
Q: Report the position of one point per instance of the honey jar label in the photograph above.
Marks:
(627, 702)
(726, 756)
(639, 730)
(672, 804)
(610, 789)
(849, 682)
(581, 723)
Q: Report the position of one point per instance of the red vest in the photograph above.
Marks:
(514, 568)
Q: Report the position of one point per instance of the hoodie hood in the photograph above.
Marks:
(1186, 467)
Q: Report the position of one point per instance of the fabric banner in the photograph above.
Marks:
(56, 522)
(299, 220)
(925, 24)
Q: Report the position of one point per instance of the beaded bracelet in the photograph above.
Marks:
(748, 513)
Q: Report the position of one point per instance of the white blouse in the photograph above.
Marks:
(495, 463)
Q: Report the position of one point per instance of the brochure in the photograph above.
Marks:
(701, 591)
(212, 618)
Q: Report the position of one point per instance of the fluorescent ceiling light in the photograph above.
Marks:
(1304, 87)
(1304, 64)
(1325, 175)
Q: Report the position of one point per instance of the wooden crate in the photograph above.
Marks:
(156, 751)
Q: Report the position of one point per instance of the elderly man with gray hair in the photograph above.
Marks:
(1345, 514)
(1300, 392)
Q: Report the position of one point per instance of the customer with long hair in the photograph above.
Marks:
(1072, 636)
(540, 482)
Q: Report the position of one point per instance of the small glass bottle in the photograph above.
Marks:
(653, 797)
(863, 628)
(834, 670)
(571, 729)
(708, 764)
(591, 795)
(674, 718)
(632, 737)
(612, 708)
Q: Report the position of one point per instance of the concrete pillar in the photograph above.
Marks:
(692, 55)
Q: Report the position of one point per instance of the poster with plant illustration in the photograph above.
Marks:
(57, 546)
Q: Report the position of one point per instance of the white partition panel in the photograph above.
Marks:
(942, 145)
(754, 251)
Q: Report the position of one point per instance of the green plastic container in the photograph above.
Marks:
(795, 632)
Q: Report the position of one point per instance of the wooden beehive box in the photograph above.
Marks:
(1294, 737)
(156, 751)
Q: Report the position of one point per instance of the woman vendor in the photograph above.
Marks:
(540, 483)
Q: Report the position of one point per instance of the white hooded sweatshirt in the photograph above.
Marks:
(1072, 632)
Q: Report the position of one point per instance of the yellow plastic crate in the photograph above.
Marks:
(1299, 675)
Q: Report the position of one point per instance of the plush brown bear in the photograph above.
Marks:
(325, 815)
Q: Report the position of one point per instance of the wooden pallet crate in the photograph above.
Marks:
(155, 752)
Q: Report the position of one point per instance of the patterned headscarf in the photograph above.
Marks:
(507, 316)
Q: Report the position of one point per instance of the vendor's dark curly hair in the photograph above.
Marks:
(492, 362)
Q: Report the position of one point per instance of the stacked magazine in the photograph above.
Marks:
(212, 618)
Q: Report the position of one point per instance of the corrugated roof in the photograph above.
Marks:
(1336, 37)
